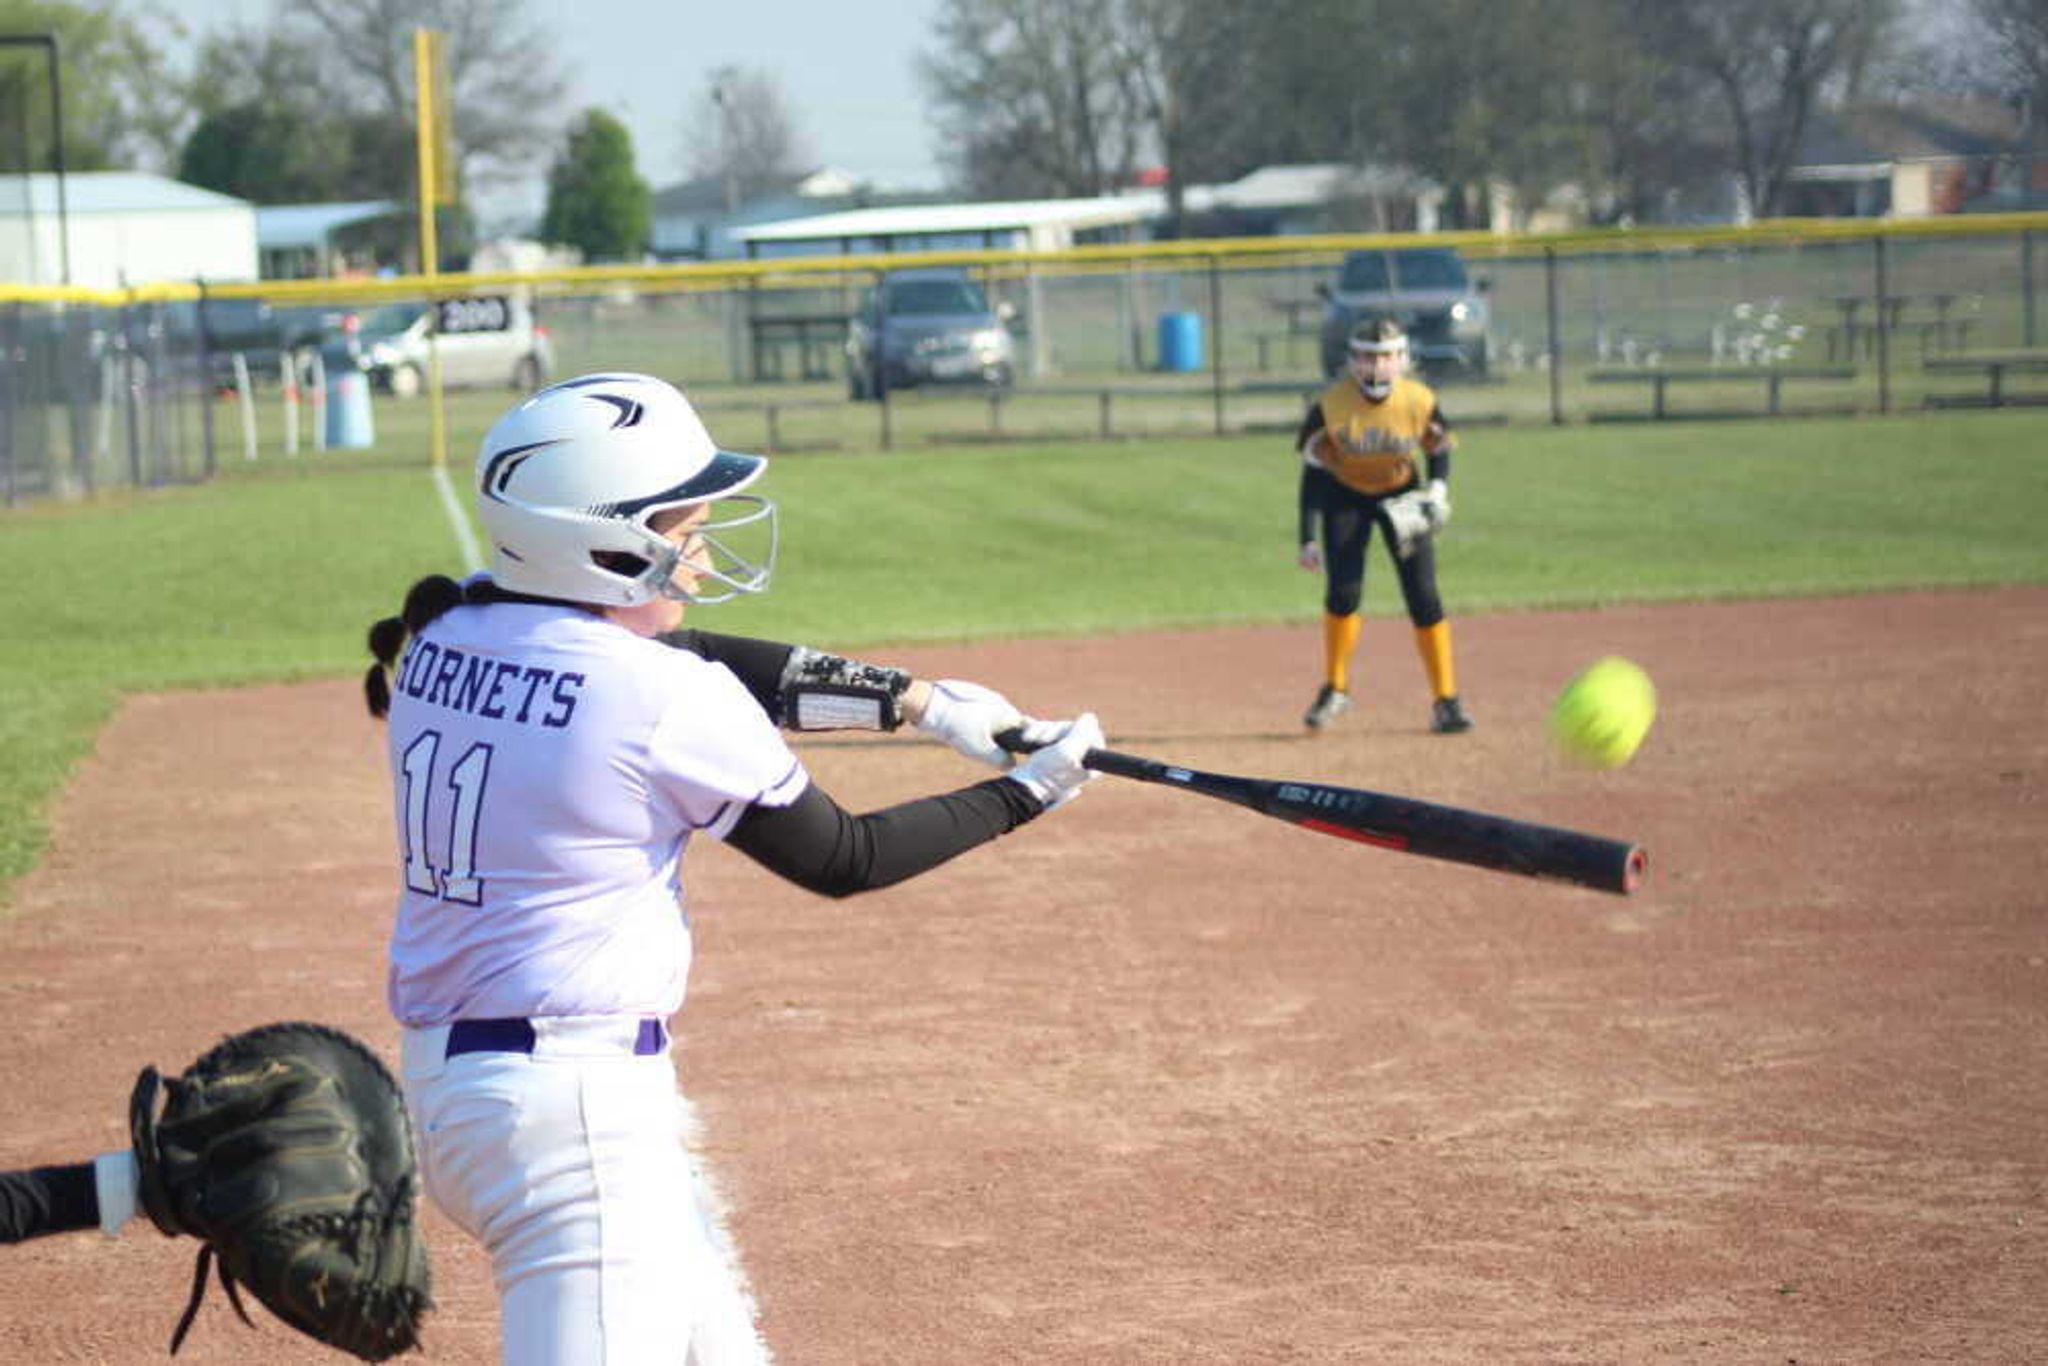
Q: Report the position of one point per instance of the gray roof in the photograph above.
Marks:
(308, 225)
(1869, 135)
(906, 219)
(112, 192)
(1270, 187)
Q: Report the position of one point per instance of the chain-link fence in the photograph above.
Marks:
(1169, 340)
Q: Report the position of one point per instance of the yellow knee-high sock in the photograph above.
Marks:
(1434, 645)
(1340, 638)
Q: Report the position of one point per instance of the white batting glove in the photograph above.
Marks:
(967, 716)
(1436, 502)
(1311, 556)
(1054, 774)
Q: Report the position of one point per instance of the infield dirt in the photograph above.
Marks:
(1157, 1080)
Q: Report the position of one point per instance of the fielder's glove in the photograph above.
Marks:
(1436, 505)
(1406, 518)
(285, 1150)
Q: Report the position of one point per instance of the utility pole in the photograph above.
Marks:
(722, 94)
(48, 42)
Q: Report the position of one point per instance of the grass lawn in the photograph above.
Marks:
(273, 571)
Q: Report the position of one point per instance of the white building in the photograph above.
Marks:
(115, 228)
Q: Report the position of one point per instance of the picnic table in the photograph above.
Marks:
(817, 339)
(1856, 327)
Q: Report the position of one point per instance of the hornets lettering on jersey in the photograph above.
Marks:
(489, 688)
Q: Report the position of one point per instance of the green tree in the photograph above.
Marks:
(271, 129)
(120, 97)
(597, 202)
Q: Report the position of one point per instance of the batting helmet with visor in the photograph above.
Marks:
(1379, 355)
(568, 482)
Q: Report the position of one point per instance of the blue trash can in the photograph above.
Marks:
(1180, 342)
(349, 424)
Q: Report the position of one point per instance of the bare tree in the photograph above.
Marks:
(1769, 65)
(740, 130)
(505, 83)
(1182, 68)
(1030, 97)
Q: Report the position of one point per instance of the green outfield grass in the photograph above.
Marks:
(273, 571)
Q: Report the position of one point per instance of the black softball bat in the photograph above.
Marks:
(1402, 824)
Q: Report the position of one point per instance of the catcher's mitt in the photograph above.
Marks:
(286, 1151)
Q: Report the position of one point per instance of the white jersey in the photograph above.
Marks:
(550, 767)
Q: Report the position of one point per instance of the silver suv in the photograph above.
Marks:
(485, 340)
(932, 326)
(1427, 289)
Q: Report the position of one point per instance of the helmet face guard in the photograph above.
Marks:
(1378, 349)
(733, 549)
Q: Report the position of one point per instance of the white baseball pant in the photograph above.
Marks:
(569, 1165)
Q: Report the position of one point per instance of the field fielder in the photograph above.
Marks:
(1359, 448)
(555, 742)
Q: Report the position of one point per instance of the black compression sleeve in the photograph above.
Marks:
(820, 846)
(758, 664)
(1316, 486)
(48, 1200)
(1311, 423)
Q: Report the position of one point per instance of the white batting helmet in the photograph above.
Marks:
(567, 482)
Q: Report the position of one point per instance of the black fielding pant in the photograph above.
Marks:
(1348, 521)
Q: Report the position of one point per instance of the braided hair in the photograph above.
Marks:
(425, 601)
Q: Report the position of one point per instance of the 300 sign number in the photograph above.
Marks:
(483, 313)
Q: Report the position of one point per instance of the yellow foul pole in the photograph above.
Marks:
(426, 66)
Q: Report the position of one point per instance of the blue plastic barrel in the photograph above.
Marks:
(349, 425)
(1180, 342)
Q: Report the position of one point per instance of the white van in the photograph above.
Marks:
(484, 340)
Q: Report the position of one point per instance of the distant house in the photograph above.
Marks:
(1315, 197)
(699, 220)
(114, 228)
(1002, 225)
(1273, 200)
(1888, 161)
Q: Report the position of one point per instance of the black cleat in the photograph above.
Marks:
(1448, 717)
(1329, 705)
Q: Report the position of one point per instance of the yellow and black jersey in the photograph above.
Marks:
(1378, 447)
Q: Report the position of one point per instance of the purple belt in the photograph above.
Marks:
(516, 1035)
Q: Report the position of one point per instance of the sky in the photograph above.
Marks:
(847, 74)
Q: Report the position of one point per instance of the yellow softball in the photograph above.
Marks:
(1601, 717)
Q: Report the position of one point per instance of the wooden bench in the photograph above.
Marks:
(1994, 366)
(1773, 377)
(1105, 396)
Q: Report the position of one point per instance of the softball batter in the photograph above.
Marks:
(555, 741)
(1364, 444)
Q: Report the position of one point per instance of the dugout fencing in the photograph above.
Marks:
(173, 382)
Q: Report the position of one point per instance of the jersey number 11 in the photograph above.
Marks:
(457, 881)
